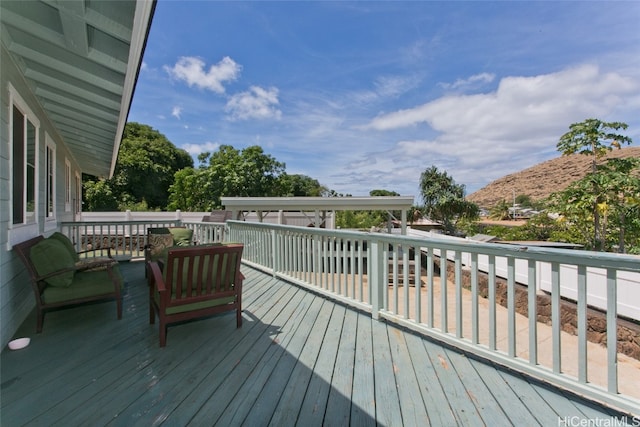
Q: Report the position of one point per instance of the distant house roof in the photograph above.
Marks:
(541, 244)
(483, 238)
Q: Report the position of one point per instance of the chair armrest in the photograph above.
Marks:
(156, 273)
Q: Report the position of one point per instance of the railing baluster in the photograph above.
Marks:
(582, 324)
(492, 302)
(430, 300)
(458, 284)
(511, 305)
(395, 279)
(532, 312)
(555, 317)
(417, 259)
(361, 272)
(612, 332)
(474, 299)
(444, 304)
(405, 279)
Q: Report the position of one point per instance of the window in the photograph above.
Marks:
(67, 185)
(50, 174)
(78, 200)
(24, 158)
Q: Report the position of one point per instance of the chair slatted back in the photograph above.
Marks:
(197, 273)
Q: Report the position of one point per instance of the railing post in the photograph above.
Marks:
(377, 282)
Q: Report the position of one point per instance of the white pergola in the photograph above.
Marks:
(262, 205)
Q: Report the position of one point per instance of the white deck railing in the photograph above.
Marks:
(396, 278)
(127, 239)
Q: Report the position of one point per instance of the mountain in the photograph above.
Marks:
(539, 181)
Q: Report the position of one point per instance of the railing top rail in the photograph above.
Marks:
(563, 256)
(120, 222)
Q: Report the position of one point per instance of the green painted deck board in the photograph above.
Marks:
(299, 359)
(363, 396)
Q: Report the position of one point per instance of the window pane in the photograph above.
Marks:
(31, 172)
(18, 166)
(50, 178)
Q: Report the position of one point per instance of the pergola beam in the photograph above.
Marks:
(318, 204)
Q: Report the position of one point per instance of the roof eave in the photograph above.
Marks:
(142, 25)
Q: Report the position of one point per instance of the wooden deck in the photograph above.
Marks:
(299, 359)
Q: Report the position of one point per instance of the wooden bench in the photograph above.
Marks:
(61, 278)
(194, 282)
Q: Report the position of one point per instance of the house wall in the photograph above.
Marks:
(16, 295)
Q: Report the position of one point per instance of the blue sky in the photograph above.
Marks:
(367, 95)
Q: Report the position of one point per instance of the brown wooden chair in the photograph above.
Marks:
(194, 282)
(60, 278)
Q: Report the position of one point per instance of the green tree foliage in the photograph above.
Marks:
(364, 220)
(541, 227)
(146, 164)
(99, 197)
(617, 204)
(444, 199)
(500, 211)
(594, 138)
(229, 173)
(301, 186)
(144, 171)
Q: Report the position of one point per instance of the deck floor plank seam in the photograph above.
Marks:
(414, 411)
(286, 412)
(312, 409)
(364, 405)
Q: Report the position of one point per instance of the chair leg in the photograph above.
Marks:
(163, 334)
(39, 321)
(152, 314)
(238, 317)
(119, 307)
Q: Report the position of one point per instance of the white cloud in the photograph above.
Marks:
(481, 137)
(256, 103)
(176, 112)
(195, 149)
(392, 86)
(519, 105)
(475, 80)
(191, 70)
(385, 87)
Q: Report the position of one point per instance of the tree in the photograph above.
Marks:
(595, 138)
(301, 186)
(146, 165)
(444, 199)
(99, 197)
(192, 190)
(229, 173)
(500, 211)
(617, 204)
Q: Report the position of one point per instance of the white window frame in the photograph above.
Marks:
(50, 195)
(67, 185)
(29, 226)
(78, 199)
